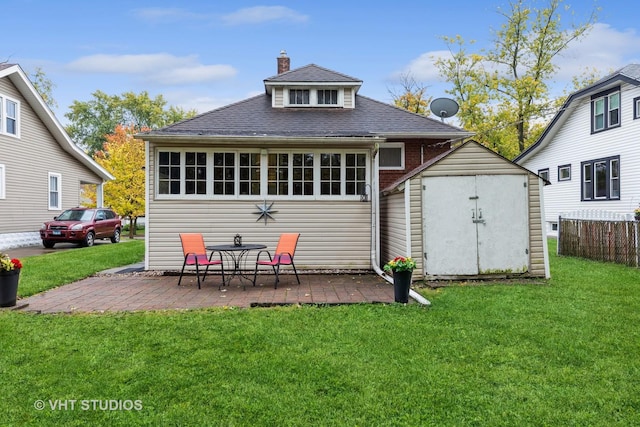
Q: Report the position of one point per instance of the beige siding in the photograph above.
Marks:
(28, 161)
(333, 235)
(417, 245)
(472, 159)
(348, 98)
(537, 234)
(393, 236)
(278, 97)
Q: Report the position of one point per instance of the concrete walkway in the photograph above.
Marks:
(144, 291)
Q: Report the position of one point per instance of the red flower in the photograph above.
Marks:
(16, 263)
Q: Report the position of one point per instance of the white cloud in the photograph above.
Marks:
(260, 14)
(158, 14)
(158, 68)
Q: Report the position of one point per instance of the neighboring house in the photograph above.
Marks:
(467, 213)
(589, 152)
(41, 170)
(306, 156)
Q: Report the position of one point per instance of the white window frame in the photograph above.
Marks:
(4, 101)
(264, 179)
(544, 173)
(566, 168)
(601, 108)
(313, 97)
(3, 190)
(57, 191)
(392, 145)
(610, 181)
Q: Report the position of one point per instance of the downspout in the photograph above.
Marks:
(375, 225)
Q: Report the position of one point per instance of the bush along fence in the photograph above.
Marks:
(613, 239)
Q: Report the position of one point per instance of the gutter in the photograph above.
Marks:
(375, 225)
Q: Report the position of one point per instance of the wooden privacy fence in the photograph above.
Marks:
(599, 239)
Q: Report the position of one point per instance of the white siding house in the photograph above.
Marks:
(590, 152)
(41, 169)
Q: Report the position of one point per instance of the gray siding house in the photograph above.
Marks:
(41, 170)
(308, 155)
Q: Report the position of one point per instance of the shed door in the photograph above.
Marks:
(475, 224)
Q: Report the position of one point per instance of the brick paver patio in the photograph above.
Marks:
(139, 291)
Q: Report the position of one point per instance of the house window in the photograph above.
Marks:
(564, 173)
(328, 97)
(636, 108)
(278, 172)
(224, 173)
(249, 179)
(299, 96)
(391, 156)
(2, 183)
(169, 173)
(9, 116)
(195, 173)
(355, 173)
(54, 191)
(605, 110)
(303, 174)
(330, 173)
(544, 174)
(601, 179)
(311, 174)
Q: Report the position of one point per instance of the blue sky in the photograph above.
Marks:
(206, 54)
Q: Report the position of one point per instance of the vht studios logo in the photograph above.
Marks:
(88, 405)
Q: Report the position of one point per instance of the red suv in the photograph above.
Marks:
(83, 226)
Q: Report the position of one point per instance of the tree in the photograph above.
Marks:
(123, 156)
(44, 86)
(92, 120)
(507, 87)
(412, 98)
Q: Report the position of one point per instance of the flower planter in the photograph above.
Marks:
(401, 285)
(9, 287)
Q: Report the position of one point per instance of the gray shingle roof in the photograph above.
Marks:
(313, 73)
(256, 117)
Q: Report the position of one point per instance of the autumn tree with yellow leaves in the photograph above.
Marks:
(123, 156)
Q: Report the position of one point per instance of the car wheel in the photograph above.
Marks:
(47, 244)
(89, 239)
(116, 236)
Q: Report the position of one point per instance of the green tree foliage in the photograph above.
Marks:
(503, 93)
(412, 96)
(123, 156)
(92, 120)
(44, 86)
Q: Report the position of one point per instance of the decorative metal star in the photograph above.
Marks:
(265, 212)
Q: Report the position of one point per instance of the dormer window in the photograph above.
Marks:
(605, 110)
(299, 96)
(328, 97)
(314, 97)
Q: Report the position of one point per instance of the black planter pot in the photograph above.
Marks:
(401, 285)
(9, 287)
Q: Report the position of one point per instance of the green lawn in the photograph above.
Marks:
(555, 354)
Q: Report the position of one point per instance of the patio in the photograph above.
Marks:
(135, 291)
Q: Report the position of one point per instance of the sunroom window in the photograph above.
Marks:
(309, 174)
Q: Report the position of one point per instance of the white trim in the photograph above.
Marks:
(58, 191)
(4, 100)
(402, 155)
(3, 182)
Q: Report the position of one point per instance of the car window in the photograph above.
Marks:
(109, 214)
(76, 215)
(100, 215)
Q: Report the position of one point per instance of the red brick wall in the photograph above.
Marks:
(415, 153)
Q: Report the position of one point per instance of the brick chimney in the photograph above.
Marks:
(283, 62)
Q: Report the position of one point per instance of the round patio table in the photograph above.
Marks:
(236, 256)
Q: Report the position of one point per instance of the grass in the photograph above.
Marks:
(559, 353)
(44, 272)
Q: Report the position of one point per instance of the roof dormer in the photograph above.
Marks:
(310, 86)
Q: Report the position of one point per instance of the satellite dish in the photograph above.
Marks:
(444, 107)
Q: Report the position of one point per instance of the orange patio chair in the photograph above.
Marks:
(285, 251)
(195, 253)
